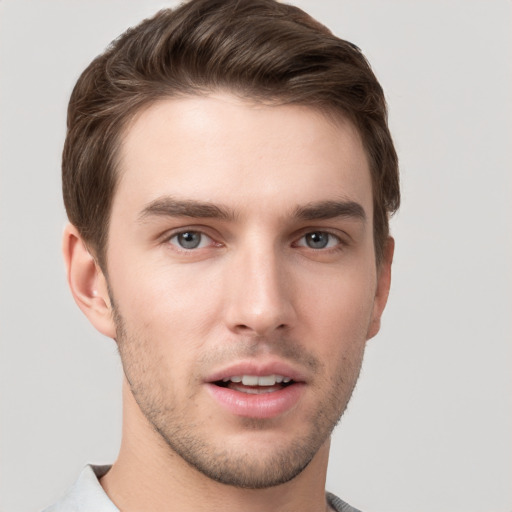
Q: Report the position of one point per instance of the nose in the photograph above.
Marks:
(259, 294)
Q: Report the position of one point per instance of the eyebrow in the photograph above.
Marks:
(330, 210)
(171, 207)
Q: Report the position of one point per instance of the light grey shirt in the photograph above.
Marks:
(87, 495)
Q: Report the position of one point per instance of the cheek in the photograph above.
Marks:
(342, 308)
(168, 303)
(165, 319)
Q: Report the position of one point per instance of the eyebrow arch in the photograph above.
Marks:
(330, 210)
(171, 207)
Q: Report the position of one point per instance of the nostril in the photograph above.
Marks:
(243, 328)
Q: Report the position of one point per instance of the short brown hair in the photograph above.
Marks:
(259, 49)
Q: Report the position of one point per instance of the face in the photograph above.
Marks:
(242, 272)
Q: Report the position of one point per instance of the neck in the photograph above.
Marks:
(149, 476)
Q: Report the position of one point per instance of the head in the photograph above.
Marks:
(229, 175)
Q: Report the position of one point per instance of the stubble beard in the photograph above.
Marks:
(190, 441)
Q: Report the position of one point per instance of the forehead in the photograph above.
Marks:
(223, 149)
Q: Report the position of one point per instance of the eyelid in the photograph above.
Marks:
(203, 241)
(339, 240)
(343, 239)
(202, 230)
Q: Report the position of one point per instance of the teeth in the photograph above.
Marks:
(257, 391)
(250, 380)
(267, 380)
(254, 380)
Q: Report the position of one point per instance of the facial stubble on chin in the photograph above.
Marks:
(190, 440)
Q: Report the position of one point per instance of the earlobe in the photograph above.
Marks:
(383, 285)
(87, 282)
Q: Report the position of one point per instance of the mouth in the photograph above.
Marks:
(255, 384)
(257, 391)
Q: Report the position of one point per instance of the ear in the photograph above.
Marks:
(383, 284)
(87, 283)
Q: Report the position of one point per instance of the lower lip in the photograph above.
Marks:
(263, 405)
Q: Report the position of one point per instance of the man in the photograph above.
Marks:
(228, 175)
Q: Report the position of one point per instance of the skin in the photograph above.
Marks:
(277, 182)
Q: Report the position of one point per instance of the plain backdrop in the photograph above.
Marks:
(430, 425)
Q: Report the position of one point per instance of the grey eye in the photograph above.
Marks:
(188, 239)
(317, 239)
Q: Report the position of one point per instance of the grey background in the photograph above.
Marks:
(429, 428)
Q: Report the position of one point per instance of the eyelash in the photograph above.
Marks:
(339, 242)
(190, 231)
(331, 237)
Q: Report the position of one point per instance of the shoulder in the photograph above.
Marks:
(86, 495)
(339, 505)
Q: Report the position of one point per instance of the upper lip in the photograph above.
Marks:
(257, 368)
